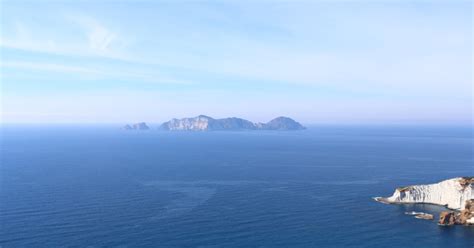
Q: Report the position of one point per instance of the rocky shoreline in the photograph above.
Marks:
(456, 194)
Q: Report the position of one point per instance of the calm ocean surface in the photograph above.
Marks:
(97, 186)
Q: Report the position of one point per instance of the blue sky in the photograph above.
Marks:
(315, 61)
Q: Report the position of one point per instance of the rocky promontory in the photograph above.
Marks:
(456, 194)
(206, 123)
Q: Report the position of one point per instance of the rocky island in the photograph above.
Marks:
(137, 126)
(456, 194)
(206, 123)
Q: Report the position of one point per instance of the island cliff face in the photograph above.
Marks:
(206, 123)
(456, 194)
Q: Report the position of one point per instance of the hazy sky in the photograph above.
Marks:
(315, 61)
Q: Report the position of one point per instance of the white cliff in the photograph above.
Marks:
(452, 193)
(456, 194)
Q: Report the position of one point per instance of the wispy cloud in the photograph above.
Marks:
(93, 39)
(47, 67)
(100, 38)
(95, 73)
(23, 39)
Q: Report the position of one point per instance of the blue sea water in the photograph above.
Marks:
(98, 186)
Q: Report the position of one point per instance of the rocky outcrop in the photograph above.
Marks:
(206, 123)
(136, 126)
(466, 216)
(420, 215)
(447, 218)
(456, 194)
(424, 216)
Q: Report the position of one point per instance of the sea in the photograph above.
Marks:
(100, 186)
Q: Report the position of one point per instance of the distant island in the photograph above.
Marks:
(206, 123)
(137, 126)
(456, 194)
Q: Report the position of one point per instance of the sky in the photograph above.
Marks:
(315, 61)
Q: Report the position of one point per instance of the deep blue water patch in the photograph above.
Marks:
(97, 186)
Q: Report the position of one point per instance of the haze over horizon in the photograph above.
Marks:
(316, 62)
